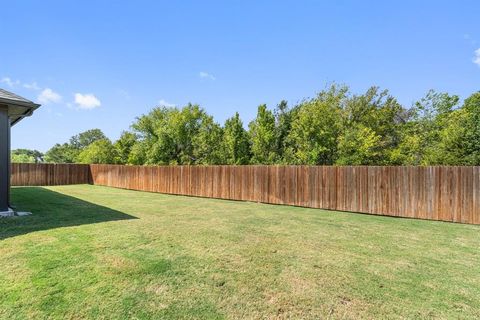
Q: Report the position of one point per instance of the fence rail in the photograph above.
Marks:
(434, 193)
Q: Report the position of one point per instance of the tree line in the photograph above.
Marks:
(336, 127)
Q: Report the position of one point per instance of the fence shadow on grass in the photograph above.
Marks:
(53, 210)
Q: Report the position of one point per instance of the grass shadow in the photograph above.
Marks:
(53, 210)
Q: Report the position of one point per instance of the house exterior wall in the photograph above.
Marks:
(4, 158)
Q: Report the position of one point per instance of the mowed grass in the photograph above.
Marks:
(101, 253)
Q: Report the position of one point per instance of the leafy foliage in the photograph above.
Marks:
(235, 143)
(422, 134)
(283, 125)
(81, 149)
(26, 156)
(471, 129)
(177, 136)
(61, 153)
(84, 139)
(333, 128)
(316, 127)
(263, 138)
(99, 151)
(124, 146)
(370, 128)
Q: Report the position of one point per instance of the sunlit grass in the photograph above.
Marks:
(96, 252)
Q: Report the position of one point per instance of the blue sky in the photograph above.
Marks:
(100, 64)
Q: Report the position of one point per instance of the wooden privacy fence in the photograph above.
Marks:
(42, 174)
(435, 193)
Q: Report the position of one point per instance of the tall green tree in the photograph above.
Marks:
(26, 156)
(263, 137)
(138, 154)
(459, 138)
(177, 136)
(283, 125)
(207, 142)
(124, 146)
(421, 136)
(150, 128)
(359, 145)
(84, 139)
(371, 127)
(235, 143)
(61, 153)
(472, 129)
(69, 152)
(313, 138)
(451, 148)
(100, 151)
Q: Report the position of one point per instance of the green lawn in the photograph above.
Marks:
(102, 253)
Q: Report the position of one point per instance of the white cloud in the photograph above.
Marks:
(164, 103)
(32, 86)
(206, 75)
(476, 59)
(13, 83)
(49, 96)
(9, 82)
(87, 101)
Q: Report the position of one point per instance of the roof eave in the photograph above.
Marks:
(19, 103)
(30, 108)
